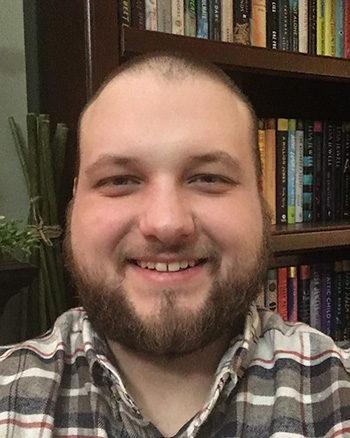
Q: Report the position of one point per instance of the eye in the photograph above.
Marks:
(119, 185)
(212, 183)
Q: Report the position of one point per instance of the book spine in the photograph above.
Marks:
(281, 174)
(292, 294)
(227, 21)
(320, 28)
(308, 172)
(138, 14)
(282, 298)
(202, 19)
(326, 299)
(124, 7)
(304, 294)
(261, 143)
(151, 15)
(346, 300)
(315, 297)
(338, 301)
(345, 205)
(327, 172)
(270, 166)
(312, 27)
(241, 24)
(299, 169)
(190, 18)
(339, 29)
(272, 24)
(258, 31)
(347, 29)
(303, 26)
(283, 25)
(271, 290)
(215, 20)
(178, 17)
(164, 16)
(329, 27)
(291, 171)
(317, 176)
(337, 171)
(294, 25)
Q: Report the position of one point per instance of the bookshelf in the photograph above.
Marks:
(80, 42)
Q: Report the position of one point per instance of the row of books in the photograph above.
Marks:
(318, 295)
(306, 168)
(319, 27)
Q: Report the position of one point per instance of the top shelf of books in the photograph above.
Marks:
(237, 57)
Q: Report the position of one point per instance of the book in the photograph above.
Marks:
(227, 26)
(177, 17)
(303, 26)
(241, 25)
(337, 171)
(292, 294)
(294, 25)
(151, 15)
(283, 25)
(320, 28)
(271, 290)
(282, 297)
(215, 20)
(272, 24)
(315, 297)
(270, 166)
(299, 170)
(304, 294)
(326, 299)
(308, 172)
(202, 19)
(345, 204)
(138, 14)
(261, 143)
(346, 300)
(329, 27)
(317, 174)
(258, 23)
(190, 18)
(312, 27)
(164, 16)
(327, 172)
(339, 29)
(291, 172)
(281, 173)
(124, 7)
(338, 301)
(347, 29)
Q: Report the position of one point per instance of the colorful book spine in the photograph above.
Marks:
(151, 15)
(283, 25)
(339, 29)
(124, 7)
(308, 172)
(304, 294)
(294, 25)
(282, 297)
(347, 29)
(190, 18)
(164, 16)
(317, 176)
(258, 30)
(202, 19)
(282, 172)
(327, 172)
(272, 24)
(227, 21)
(261, 143)
(345, 205)
(138, 13)
(291, 171)
(292, 294)
(312, 27)
(215, 20)
(303, 26)
(329, 27)
(338, 301)
(270, 166)
(346, 300)
(320, 28)
(241, 24)
(326, 299)
(337, 171)
(315, 297)
(178, 17)
(299, 170)
(271, 290)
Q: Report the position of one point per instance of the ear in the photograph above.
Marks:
(261, 185)
(75, 184)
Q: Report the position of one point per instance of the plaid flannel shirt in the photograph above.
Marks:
(275, 380)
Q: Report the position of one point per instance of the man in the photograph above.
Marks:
(168, 242)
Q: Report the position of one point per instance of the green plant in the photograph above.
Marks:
(15, 242)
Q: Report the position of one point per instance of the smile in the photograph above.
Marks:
(169, 267)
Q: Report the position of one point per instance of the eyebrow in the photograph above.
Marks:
(111, 160)
(215, 157)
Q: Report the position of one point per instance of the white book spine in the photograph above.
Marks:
(164, 16)
(303, 25)
(178, 17)
(151, 14)
(227, 20)
(299, 176)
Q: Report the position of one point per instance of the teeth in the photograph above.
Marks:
(175, 266)
(164, 267)
(192, 263)
(184, 264)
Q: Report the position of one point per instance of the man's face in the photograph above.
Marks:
(166, 234)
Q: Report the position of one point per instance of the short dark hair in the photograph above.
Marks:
(178, 66)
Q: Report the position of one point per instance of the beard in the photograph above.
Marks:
(172, 331)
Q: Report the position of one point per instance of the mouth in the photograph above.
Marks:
(175, 266)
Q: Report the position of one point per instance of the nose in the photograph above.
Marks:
(166, 217)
